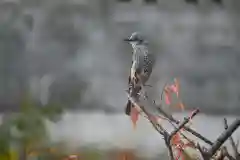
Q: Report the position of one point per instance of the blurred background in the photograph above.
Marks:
(64, 65)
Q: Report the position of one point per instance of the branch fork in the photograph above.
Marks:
(179, 126)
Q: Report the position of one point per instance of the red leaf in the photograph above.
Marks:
(174, 88)
(177, 86)
(167, 96)
(134, 116)
(178, 143)
(176, 139)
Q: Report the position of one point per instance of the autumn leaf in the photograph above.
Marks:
(177, 143)
(134, 116)
(169, 89)
(173, 89)
(176, 86)
(167, 96)
(180, 150)
(180, 145)
(176, 139)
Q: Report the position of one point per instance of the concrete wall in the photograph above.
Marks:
(198, 44)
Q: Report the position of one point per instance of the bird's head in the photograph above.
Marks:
(135, 39)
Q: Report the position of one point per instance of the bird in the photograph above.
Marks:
(142, 65)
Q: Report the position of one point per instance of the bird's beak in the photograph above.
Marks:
(126, 40)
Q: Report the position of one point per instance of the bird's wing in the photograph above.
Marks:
(149, 62)
(138, 60)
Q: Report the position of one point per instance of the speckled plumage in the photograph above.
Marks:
(142, 65)
(143, 62)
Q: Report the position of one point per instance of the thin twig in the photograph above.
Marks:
(168, 136)
(223, 137)
(198, 135)
(160, 129)
(234, 146)
(186, 120)
(183, 135)
(161, 98)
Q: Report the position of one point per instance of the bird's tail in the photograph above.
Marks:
(128, 108)
(133, 91)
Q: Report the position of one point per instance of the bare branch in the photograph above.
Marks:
(141, 109)
(159, 128)
(234, 146)
(169, 137)
(186, 120)
(223, 137)
(206, 153)
(170, 117)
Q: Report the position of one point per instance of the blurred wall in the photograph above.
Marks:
(62, 38)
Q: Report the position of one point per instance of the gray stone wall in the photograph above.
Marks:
(198, 44)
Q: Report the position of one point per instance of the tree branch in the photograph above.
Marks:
(170, 117)
(159, 128)
(223, 137)
(234, 146)
(156, 125)
(206, 153)
(186, 120)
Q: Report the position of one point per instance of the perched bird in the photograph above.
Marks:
(142, 65)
